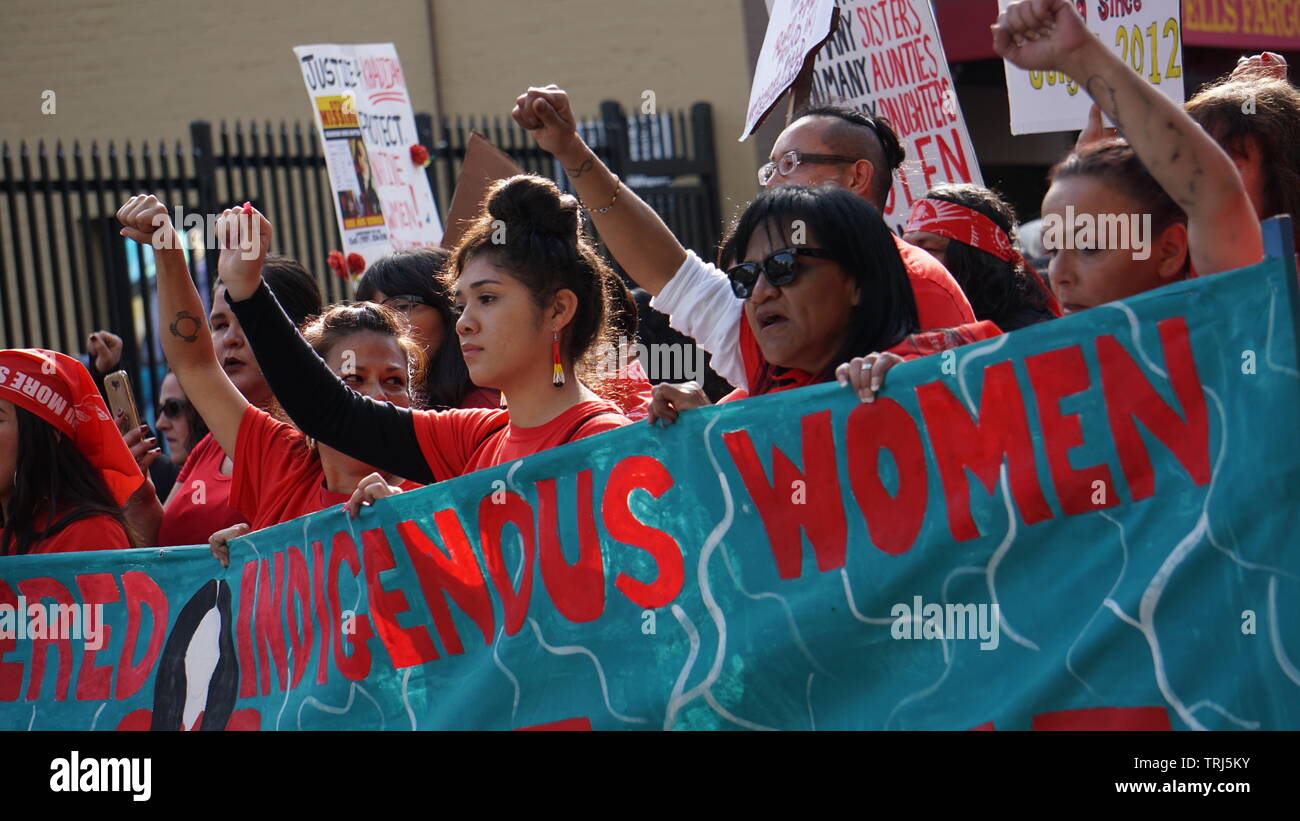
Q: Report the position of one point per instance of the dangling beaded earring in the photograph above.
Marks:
(557, 369)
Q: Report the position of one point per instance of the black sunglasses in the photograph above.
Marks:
(780, 267)
(172, 408)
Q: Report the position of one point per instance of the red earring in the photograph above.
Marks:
(557, 369)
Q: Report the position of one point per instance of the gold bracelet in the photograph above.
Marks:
(617, 184)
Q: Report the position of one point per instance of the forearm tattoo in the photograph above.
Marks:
(186, 326)
(580, 170)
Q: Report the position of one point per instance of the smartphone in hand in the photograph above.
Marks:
(121, 401)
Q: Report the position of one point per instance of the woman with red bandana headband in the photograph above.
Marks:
(971, 231)
(65, 473)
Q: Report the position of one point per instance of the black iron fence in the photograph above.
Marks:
(65, 271)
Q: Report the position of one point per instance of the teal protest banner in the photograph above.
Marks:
(1089, 523)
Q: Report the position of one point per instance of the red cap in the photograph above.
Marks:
(57, 388)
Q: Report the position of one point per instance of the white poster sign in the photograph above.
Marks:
(794, 30)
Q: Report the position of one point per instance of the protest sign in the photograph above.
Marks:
(888, 60)
(795, 30)
(363, 114)
(484, 164)
(1088, 523)
(1146, 34)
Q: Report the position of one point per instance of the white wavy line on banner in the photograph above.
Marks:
(514, 682)
(853, 608)
(289, 680)
(1279, 652)
(1240, 722)
(95, 720)
(675, 698)
(510, 476)
(702, 573)
(722, 711)
(1123, 568)
(812, 720)
(1147, 610)
(312, 701)
(925, 691)
(1113, 606)
(569, 650)
(1268, 340)
(789, 614)
(993, 348)
(32, 723)
(1135, 330)
(406, 676)
(996, 559)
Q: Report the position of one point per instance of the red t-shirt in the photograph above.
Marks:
(201, 505)
(456, 442)
(765, 377)
(940, 301)
(95, 533)
(277, 477)
(481, 398)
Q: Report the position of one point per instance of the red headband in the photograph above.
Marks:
(948, 219)
(57, 388)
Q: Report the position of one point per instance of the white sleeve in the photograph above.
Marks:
(700, 303)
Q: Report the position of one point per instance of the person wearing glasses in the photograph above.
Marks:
(410, 283)
(780, 329)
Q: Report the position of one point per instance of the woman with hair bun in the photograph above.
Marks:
(972, 231)
(536, 302)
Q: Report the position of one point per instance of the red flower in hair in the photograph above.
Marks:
(337, 264)
(356, 263)
(420, 155)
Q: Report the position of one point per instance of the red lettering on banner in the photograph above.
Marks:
(268, 626)
(819, 510)
(299, 618)
(11, 672)
(140, 589)
(244, 631)
(642, 473)
(577, 590)
(35, 590)
(492, 517)
(1055, 375)
(457, 576)
(323, 611)
(1105, 718)
(1130, 396)
(961, 443)
(583, 723)
(893, 521)
(96, 683)
(953, 157)
(407, 646)
(927, 170)
(354, 667)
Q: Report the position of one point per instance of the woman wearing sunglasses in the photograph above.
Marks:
(178, 421)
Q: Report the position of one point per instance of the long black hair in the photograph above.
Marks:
(856, 236)
(53, 477)
(417, 272)
(998, 290)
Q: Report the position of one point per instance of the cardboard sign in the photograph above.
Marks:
(795, 30)
(1146, 34)
(484, 164)
(363, 114)
(888, 60)
(1085, 524)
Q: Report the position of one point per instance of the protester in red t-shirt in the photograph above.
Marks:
(65, 472)
(535, 301)
(276, 475)
(199, 503)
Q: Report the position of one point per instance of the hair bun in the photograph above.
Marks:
(533, 203)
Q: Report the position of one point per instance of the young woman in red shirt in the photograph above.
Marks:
(277, 474)
(66, 475)
(536, 301)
